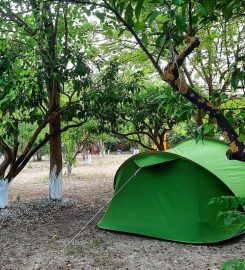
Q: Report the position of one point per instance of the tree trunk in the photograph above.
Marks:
(39, 155)
(4, 184)
(55, 176)
(69, 168)
(101, 145)
(89, 157)
(84, 155)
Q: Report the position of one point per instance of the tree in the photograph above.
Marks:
(172, 24)
(136, 110)
(45, 78)
(80, 140)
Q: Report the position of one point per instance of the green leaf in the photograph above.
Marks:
(242, 137)
(121, 32)
(121, 7)
(153, 15)
(229, 116)
(169, 108)
(138, 8)
(235, 79)
(100, 15)
(177, 2)
(160, 40)
(145, 40)
(227, 12)
(201, 9)
(209, 6)
(208, 128)
(181, 23)
(129, 14)
(138, 26)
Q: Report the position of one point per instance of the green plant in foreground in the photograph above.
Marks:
(97, 242)
(231, 214)
(235, 264)
(231, 210)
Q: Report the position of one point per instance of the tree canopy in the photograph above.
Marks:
(167, 32)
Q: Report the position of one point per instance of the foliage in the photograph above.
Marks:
(48, 63)
(182, 131)
(231, 211)
(161, 29)
(70, 143)
(235, 264)
(25, 132)
(137, 110)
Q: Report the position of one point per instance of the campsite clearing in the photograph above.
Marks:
(34, 230)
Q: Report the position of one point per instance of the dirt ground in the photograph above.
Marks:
(34, 230)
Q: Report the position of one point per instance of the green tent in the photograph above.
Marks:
(166, 194)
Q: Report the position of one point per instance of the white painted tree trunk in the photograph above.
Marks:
(55, 185)
(4, 184)
(89, 158)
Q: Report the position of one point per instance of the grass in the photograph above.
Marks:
(97, 242)
(53, 243)
(18, 198)
(74, 250)
(45, 179)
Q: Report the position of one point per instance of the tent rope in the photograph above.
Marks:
(100, 210)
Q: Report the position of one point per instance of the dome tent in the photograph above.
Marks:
(168, 193)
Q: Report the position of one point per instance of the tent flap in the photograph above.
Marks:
(153, 159)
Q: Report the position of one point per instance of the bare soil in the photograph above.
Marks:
(34, 230)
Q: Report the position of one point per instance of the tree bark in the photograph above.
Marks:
(55, 176)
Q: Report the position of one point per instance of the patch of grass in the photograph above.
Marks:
(53, 243)
(74, 250)
(29, 166)
(18, 198)
(97, 242)
(45, 179)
